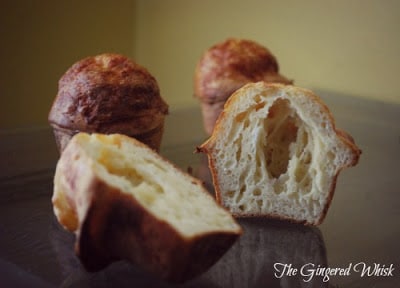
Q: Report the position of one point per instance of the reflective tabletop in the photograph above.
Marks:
(356, 246)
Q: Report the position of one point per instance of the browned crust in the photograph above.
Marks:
(227, 66)
(345, 138)
(108, 93)
(116, 226)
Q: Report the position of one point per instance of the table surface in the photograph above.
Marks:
(362, 224)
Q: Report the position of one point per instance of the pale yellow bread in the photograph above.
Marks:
(125, 202)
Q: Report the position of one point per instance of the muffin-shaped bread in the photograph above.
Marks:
(276, 152)
(108, 93)
(227, 66)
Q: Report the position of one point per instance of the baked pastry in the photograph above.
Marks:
(124, 201)
(227, 66)
(108, 93)
(275, 151)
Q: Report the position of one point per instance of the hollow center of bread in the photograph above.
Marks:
(169, 194)
(276, 156)
(281, 131)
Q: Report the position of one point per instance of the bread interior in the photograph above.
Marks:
(279, 155)
(166, 192)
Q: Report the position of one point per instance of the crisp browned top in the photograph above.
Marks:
(107, 90)
(227, 66)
